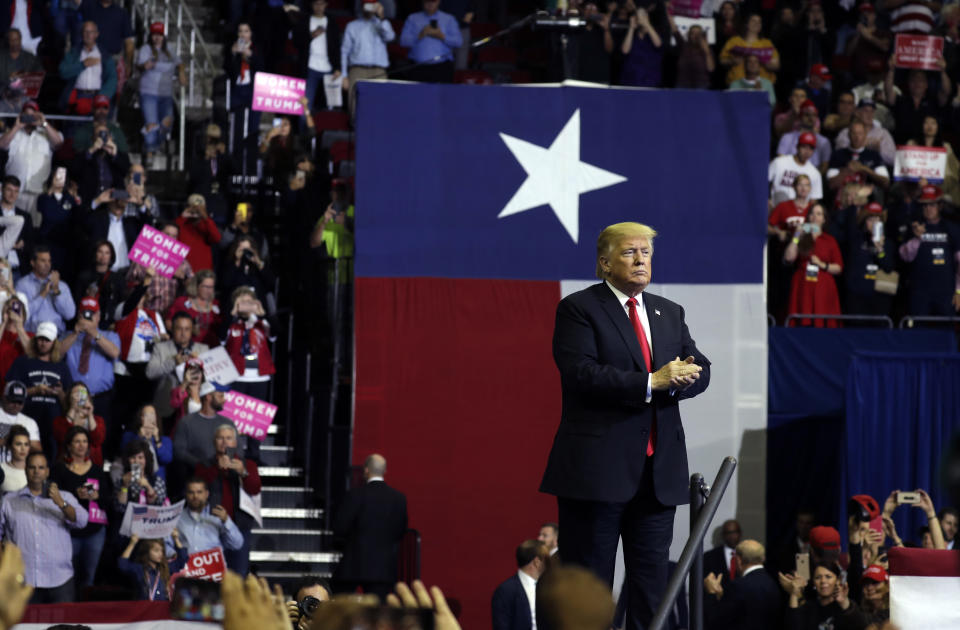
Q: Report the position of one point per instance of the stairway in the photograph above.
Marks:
(292, 542)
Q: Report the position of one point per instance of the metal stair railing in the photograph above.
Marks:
(692, 555)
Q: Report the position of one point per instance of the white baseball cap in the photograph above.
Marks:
(47, 330)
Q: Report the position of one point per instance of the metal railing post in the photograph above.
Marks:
(193, 50)
(697, 500)
(179, 30)
(183, 129)
(697, 533)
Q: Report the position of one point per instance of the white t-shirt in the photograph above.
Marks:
(319, 61)
(29, 159)
(13, 478)
(783, 170)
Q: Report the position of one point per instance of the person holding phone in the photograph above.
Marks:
(281, 146)
(248, 344)
(642, 49)
(185, 396)
(201, 304)
(80, 414)
(816, 258)
(148, 426)
(433, 37)
(158, 70)
(136, 478)
(241, 62)
(244, 220)
(243, 267)
(56, 207)
(30, 142)
(14, 339)
(830, 607)
(78, 474)
(363, 52)
(101, 167)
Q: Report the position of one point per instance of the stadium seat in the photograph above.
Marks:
(331, 120)
(329, 136)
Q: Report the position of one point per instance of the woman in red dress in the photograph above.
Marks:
(816, 258)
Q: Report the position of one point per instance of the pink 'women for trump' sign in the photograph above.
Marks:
(155, 249)
(251, 415)
(278, 93)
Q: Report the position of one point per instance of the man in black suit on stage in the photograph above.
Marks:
(751, 602)
(514, 602)
(371, 523)
(722, 560)
(618, 465)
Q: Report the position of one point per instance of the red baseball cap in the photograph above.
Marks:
(30, 105)
(868, 502)
(807, 138)
(825, 538)
(808, 106)
(930, 193)
(872, 208)
(158, 28)
(101, 100)
(820, 70)
(195, 362)
(90, 304)
(865, 7)
(876, 573)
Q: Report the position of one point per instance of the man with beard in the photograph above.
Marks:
(202, 527)
(193, 442)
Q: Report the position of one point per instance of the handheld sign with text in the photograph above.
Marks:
(204, 565)
(278, 93)
(151, 521)
(155, 249)
(922, 52)
(218, 367)
(251, 415)
(914, 163)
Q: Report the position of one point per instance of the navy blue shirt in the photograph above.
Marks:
(934, 268)
(113, 22)
(861, 262)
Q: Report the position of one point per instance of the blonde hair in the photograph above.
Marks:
(613, 234)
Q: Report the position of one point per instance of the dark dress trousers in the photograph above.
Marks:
(510, 608)
(371, 523)
(598, 468)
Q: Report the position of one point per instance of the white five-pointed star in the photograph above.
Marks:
(556, 176)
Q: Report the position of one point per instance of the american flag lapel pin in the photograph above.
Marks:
(656, 311)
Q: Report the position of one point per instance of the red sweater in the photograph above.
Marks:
(60, 427)
(199, 235)
(226, 482)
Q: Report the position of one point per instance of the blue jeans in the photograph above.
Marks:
(86, 556)
(155, 109)
(314, 81)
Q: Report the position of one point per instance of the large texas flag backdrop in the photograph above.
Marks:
(473, 204)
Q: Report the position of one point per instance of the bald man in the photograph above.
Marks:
(751, 602)
(369, 525)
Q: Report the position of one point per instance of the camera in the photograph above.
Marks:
(28, 119)
(88, 315)
(308, 605)
(248, 255)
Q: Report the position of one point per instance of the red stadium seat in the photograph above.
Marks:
(479, 30)
(342, 150)
(331, 120)
(473, 77)
(396, 51)
(342, 21)
(497, 55)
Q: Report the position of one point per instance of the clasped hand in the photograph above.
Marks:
(678, 375)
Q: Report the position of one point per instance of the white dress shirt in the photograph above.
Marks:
(91, 77)
(30, 156)
(728, 556)
(118, 239)
(530, 588)
(319, 60)
(644, 321)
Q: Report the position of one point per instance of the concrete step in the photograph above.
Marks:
(287, 496)
(272, 455)
(290, 539)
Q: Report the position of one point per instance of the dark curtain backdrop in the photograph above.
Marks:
(805, 427)
(902, 412)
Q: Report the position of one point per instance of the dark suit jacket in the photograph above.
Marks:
(98, 227)
(301, 35)
(370, 523)
(751, 602)
(599, 451)
(510, 608)
(714, 561)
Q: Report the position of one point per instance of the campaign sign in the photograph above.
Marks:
(707, 24)
(918, 51)
(204, 565)
(30, 83)
(151, 521)
(914, 163)
(686, 8)
(155, 249)
(278, 93)
(218, 367)
(251, 415)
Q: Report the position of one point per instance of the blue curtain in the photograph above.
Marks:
(902, 410)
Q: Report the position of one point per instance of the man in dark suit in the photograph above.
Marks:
(371, 522)
(751, 602)
(514, 602)
(108, 223)
(722, 560)
(618, 465)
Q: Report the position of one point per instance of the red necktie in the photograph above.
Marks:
(733, 567)
(86, 349)
(648, 360)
